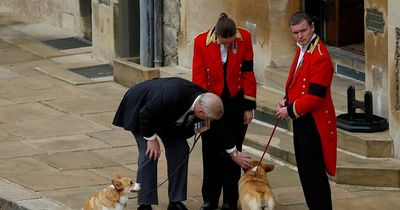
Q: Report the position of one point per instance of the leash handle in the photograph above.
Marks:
(269, 141)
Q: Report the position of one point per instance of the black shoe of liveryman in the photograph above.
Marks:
(209, 206)
(144, 207)
(229, 207)
(177, 206)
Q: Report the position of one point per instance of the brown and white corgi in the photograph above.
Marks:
(114, 197)
(254, 189)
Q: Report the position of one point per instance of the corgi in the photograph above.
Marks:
(254, 189)
(114, 197)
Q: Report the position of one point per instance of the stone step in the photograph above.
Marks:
(347, 63)
(378, 145)
(372, 145)
(351, 169)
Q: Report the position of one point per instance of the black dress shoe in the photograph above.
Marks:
(177, 206)
(227, 206)
(144, 207)
(209, 206)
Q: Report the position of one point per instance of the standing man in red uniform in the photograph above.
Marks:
(223, 64)
(308, 102)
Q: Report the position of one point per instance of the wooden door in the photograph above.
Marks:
(344, 22)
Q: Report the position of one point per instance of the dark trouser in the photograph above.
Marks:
(176, 150)
(310, 164)
(220, 172)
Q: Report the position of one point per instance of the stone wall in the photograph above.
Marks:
(171, 20)
(394, 73)
(104, 18)
(376, 62)
(265, 19)
(27, 10)
(67, 15)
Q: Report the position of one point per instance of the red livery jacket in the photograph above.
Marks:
(308, 90)
(208, 70)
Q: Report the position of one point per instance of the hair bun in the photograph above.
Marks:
(222, 16)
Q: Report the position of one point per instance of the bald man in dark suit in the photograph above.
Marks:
(167, 108)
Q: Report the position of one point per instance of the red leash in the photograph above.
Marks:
(269, 141)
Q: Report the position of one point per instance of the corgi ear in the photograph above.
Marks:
(268, 167)
(117, 185)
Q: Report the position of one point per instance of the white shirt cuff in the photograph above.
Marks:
(229, 151)
(150, 138)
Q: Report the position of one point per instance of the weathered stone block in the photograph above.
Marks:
(128, 72)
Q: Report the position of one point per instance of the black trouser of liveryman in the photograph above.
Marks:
(310, 163)
(220, 171)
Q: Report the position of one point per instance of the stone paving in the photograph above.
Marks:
(57, 144)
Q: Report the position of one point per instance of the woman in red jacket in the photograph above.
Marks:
(223, 64)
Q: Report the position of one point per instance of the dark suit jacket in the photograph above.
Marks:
(155, 105)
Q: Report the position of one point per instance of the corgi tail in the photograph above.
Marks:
(268, 204)
(257, 203)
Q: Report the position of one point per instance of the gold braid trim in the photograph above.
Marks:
(313, 45)
(294, 110)
(211, 37)
(249, 98)
(319, 49)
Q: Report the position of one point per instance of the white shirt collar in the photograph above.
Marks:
(303, 51)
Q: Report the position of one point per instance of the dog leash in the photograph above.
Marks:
(269, 141)
(195, 138)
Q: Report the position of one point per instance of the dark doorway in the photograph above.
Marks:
(314, 9)
(128, 42)
(85, 8)
(339, 22)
